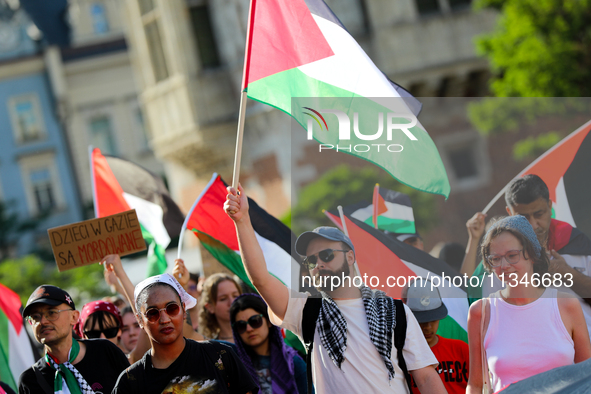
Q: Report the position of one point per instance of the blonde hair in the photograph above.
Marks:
(208, 323)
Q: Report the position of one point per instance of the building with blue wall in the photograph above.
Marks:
(36, 174)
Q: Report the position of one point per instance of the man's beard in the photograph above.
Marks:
(324, 277)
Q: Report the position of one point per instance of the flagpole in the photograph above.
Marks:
(243, 95)
(344, 224)
(93, 181)
(376, 192)
(186, 222)
(533, 163)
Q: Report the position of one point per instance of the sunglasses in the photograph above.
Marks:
(153, 314)
(254, 321)
(325, 255)
(109, 333)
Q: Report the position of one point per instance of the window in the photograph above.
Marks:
(40, 180)
(428, 7)
(459, 4)
(98, 14)
(141, 127)
(150, 15)
(203, 31)
(26, 117)
(466, 160)
(101, 134)
(42, 185)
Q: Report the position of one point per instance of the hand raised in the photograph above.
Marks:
(236, 205)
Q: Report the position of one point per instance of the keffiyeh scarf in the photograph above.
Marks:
(68, 374)
(380, 311)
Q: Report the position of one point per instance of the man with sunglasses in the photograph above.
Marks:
(353, 346)
(69, 365)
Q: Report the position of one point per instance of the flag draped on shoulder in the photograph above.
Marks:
(16, 353)
(120, 185)
(217, 234)
(299, 49)
(394, 263)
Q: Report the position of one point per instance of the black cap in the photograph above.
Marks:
(50, 295)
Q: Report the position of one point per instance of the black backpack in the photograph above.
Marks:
(310, 317)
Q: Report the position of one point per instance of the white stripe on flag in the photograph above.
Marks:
(562, 207)
(279, 262)
(397, 211)
(151, 217)
(350, 68)
(20, 355)
(363, 214)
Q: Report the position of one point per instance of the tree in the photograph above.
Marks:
(344, 186)
(540, 48)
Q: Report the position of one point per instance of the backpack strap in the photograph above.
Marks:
(41, 380)
(400, 338)
(309, 318)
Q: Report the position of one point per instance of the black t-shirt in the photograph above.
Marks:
(202, 367)
(100, 367)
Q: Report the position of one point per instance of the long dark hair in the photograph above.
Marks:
(282, 364)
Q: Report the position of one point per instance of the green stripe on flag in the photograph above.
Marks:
(228, 257)
(5, 372)
(449, 328)
(393, 225)
(475, 292)
(157, 264)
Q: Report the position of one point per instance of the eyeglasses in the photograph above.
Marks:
(153, 314)
(325, 255)
(51, 315)
(511, 257)
(254, 321)
(109, 333)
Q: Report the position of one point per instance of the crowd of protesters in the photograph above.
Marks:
(185, 333)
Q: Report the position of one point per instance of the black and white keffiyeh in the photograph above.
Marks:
(60, 387)
(380, 311)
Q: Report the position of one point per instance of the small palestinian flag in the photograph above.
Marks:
(16, 353)
(382, 257)
(120, 185)
(297, 50)
(391, 210)
(217, 234)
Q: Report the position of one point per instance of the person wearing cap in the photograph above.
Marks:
(353, 346)
(425, 303)
(68, 365)
(412, 239)
(524, 329)
(175, 363)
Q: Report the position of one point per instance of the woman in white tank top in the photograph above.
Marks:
(527, 329)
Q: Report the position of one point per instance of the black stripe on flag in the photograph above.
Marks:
(578, 187)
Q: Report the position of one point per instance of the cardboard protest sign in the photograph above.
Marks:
(83, 243)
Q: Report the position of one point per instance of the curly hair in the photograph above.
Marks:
(541, 263)
(208, 323)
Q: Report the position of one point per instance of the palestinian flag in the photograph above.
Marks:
(380, 256)
(16, 353)
(120, 185)
(297, 51)
(565, 170)
(390, 211)
(217, 234)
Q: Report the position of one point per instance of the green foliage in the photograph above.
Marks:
(508, 114)
(25, 274)
(532, 147)
(540, 48)
(345, 186)
(286, 219)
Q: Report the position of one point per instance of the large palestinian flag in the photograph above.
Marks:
(381, 256)
(120, 185)
(298, 49)
(217, 234)
(16, 353)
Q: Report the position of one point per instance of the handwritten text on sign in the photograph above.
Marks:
(83, 243)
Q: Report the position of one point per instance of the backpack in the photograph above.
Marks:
(310, 317)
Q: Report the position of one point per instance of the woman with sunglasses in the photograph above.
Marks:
(276, 367)
(174, 363)
(219, 291)
(525, 328)
(100, 319)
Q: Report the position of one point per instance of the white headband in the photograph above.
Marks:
(189, 300)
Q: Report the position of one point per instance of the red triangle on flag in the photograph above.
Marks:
(108, 196)
(10, 304)
(283, 35)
